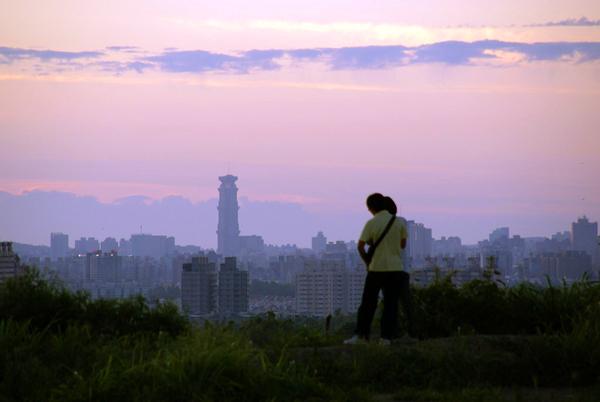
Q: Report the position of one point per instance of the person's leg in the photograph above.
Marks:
(391, 294)
(368, 304)
(407, 305)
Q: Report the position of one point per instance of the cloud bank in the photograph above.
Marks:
(10, 54)
(569, 22)
(375, 57)
(450, 53)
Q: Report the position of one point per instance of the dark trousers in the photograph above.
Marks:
(395, 287)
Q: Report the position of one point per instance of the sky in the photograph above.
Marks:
(471, 116)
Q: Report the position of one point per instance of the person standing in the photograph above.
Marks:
(386, 237)
(405, 299)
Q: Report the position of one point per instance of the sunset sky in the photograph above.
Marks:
(472, 115)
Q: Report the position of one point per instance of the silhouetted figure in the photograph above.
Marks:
(405, 299)
(386, 237)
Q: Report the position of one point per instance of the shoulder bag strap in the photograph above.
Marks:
(387, 228)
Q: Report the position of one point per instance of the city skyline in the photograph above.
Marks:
(162, 220)
(472, 118)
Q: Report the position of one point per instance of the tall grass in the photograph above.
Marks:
(203, 365)
(56, 345)
(484, 306)
(46, 304)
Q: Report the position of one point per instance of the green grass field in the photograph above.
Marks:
(482, 342)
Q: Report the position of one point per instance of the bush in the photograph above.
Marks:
(46, 305)
(487, 307)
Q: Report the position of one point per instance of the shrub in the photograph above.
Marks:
(485, 306)
(47, 305)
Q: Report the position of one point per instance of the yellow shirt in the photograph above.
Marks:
(388, 255)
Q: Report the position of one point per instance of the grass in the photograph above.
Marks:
(57, 345)
(484, 306)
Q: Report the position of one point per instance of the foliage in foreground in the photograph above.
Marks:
(45, 304)
(56, 345)
(483, 306)
(205, 365)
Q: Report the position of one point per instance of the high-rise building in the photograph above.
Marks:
(584, 236)
(532, 266)
(420, 241)
(503, 260)
(324, 289)
(109, 244)
(59, 246)
(319, 243)
(233, 288)
(558, 236)
(9, 261)
(124, 247)
(252, 243)
(447, 246)
(199, 286)
(146, 245)
(498, 234)
(568, 264)
(84, 246)
(228, 231)
(106, 267)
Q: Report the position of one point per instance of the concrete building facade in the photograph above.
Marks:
(498, 234)
(252, 244)
(105, 267)
(569, 264)
(420, 241)
(319, 243)
(584, 236)
(109, 244)
(86, 245)
(147, 245)
(199, 286)
(59, 246)
(233, 288)
(503, 260)
(9, 261)
(323, 290)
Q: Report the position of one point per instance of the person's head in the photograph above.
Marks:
(376, 203)
(390, 205)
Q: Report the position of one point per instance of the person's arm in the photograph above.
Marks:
(362, 252)
(403, 243)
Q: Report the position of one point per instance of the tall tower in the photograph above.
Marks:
(228, 231)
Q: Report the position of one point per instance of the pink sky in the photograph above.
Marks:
(506, 129)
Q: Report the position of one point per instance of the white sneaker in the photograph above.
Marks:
(384, 342)
(407, 339)
(355, 340)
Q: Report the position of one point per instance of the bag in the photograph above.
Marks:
(371, 251)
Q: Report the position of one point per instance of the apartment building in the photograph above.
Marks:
(328, 287)
(199, 286)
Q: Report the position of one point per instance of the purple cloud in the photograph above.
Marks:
(10, 54)
(569, 22)
(451, 53)
(118, 67)
(199, 61)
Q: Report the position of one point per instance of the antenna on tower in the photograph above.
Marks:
(141, 232)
